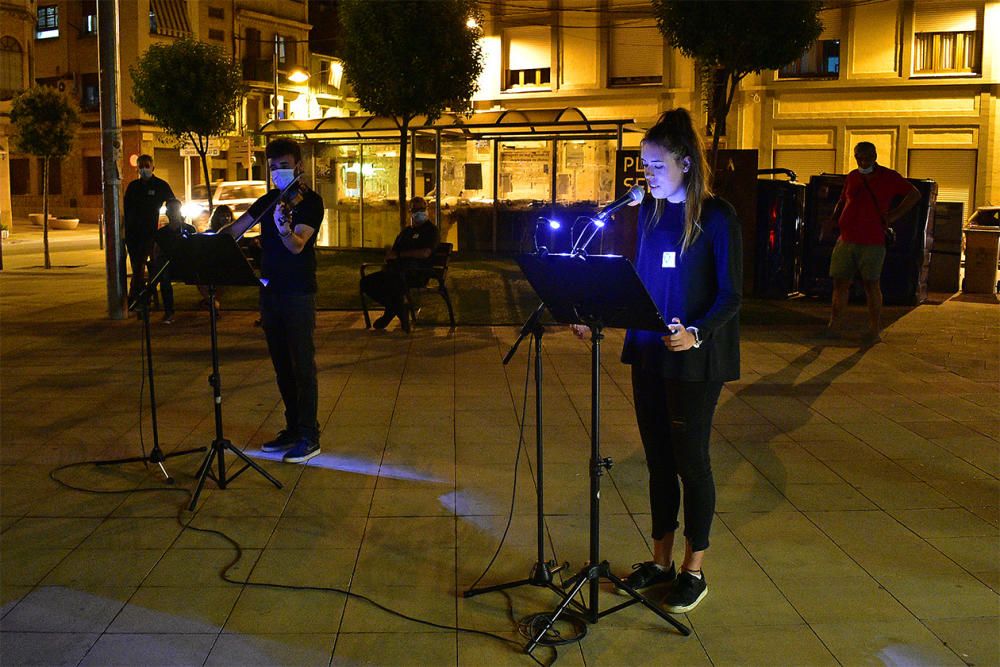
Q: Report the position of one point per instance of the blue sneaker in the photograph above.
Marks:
(285, 439)
(303, 450)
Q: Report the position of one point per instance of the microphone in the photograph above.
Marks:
(630, 198)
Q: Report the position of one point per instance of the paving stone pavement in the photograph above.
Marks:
(857, 517)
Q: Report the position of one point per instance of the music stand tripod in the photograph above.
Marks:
(156, 455)
(542, 570)
(599, 291)
(213, 260)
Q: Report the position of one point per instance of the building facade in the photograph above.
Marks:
(269, 38)
(919, 78)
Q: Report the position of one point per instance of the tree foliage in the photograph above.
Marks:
(409, 58)
(737, 38)
(45, 122)
(191, 89)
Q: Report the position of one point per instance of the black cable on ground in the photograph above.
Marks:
(517, 462)
(224, 573)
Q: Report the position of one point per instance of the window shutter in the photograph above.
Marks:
(954, 171)
(952, 16)
(529, 47)
(636, 49)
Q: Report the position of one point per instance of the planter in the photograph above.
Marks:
(36, 218)
(63, 223)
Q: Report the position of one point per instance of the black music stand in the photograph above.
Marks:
(598, 291)
(212, 260)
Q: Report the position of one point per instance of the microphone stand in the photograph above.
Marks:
(156, 455)
(542, 571)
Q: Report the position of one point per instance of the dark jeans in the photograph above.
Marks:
(289, 321)
(386, 287)
(675, 422)
(139, 250)
(166, 288)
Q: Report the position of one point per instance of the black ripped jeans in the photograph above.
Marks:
(675, 423)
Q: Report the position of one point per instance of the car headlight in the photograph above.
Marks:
(192, 210)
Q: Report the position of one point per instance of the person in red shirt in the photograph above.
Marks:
(864, 212)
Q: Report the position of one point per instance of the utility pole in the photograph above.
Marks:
(111, 153)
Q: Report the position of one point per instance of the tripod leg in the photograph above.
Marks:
(202, 475)
(582, 581)
(640, 598)
(250, 462)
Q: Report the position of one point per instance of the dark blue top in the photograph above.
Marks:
(701, 286)
(286, 272)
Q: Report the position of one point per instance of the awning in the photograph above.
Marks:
(511, 123)
(171, 17)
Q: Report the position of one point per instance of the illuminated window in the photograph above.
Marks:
(90, 92)
(281, 44)
(89, 17)
(821, 61)
(11, 68)
(48, 22)
(946, 53)
(529, 58)
(947, 37)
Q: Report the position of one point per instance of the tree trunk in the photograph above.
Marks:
(722, 112)
(45, 211)
(201, 145)
(403, 139)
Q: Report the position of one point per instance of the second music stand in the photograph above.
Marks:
(212, 260)
(598, 291)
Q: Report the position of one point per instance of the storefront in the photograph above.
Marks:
(490, 175)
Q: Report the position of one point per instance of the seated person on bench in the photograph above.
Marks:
(412, 249)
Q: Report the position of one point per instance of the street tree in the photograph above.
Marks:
(409, 58)
(729, 40)
(192, 90)
(45, 122)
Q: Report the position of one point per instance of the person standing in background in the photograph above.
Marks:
(141, 214)
(865, 215)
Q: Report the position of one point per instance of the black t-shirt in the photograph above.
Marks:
(419, 237)
(143, 200)
(288, 273)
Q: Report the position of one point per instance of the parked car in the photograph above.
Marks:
(237, 195)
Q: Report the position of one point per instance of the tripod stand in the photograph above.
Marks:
(221, 445)
(213, 260)
(598, 291)
(542, 571)
(156, 455)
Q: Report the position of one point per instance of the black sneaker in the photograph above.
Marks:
(687, 592)
(303, 450)
(383, 321)
(645, 575)
(286, 440)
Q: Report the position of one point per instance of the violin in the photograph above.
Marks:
(293, 195)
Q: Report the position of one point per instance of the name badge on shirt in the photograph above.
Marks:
(669, 260)
(151, 193)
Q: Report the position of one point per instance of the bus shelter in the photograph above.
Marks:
(487, 176)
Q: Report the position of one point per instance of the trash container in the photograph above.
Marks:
(982, 250)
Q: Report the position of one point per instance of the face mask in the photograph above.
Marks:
(867, 170)
(282, 177)
(145, 173)
(419, 217)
